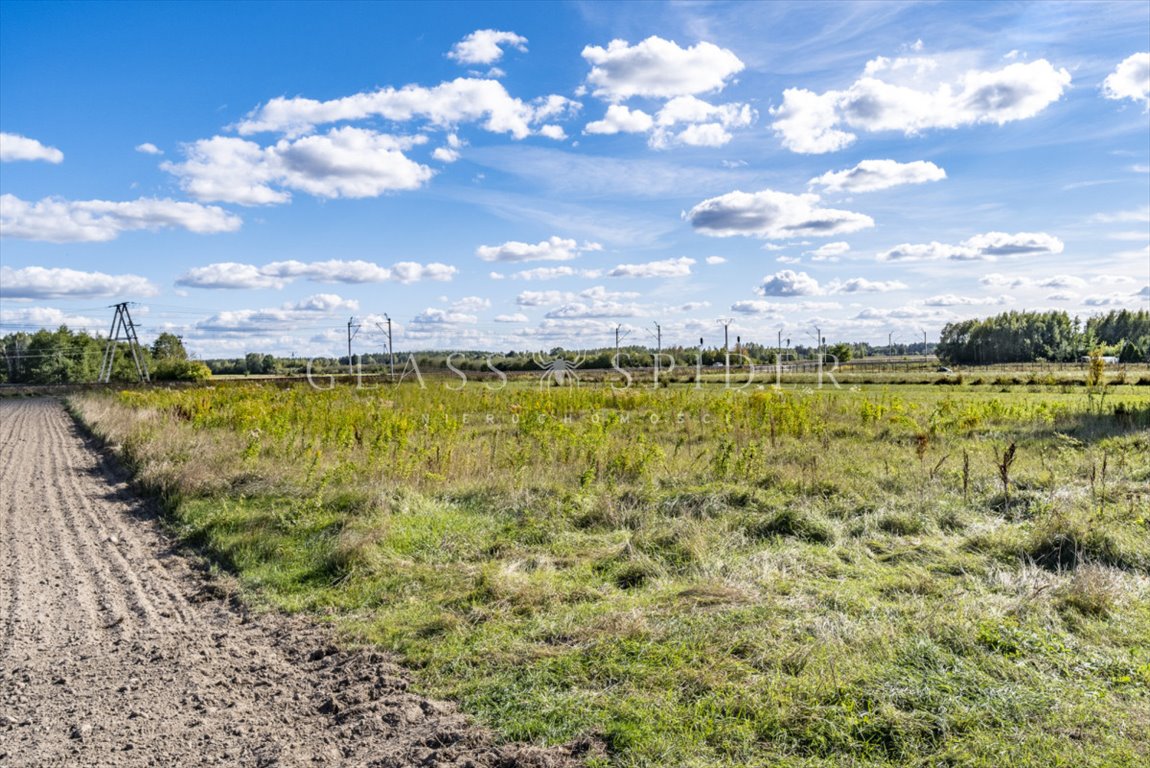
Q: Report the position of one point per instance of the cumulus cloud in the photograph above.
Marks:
(436, 316)
(830, 251)
(713, 260)
(552, 249)
(345, 162)
(413, 272)
(984, 247)
(277, 274)
(862, 285)
(463, 100)
(757, 307)
(543, 298)
(555, 132)
(77, 221)
(620, 119)
(550, 273)
(330, 271)
(284, 316)
(789, 283)
(48, 317)
(772, 215)
(1130, 80)
(873, 175)
(1109, 300)
(517, 317)
(485, 46)
(15, 147)
(471, 304)
(913, 95)
(951, 300)
(707, 125)
(665, 268)
(148, 148)
(229, 275)
(595, 309)
(1062, 282)
(658, 68)
(56, 283)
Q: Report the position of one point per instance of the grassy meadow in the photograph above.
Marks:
(912, 575)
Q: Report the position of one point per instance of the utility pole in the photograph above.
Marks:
(122, 323)
(726, 349)
(924, 343)
(618, 327)
(699, 366)
(351, 335)
(658, 349)
(890, 344)
(819, 351)
(390, 349)
(779, 360)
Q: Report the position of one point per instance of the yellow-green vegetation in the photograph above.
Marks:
(699, 577)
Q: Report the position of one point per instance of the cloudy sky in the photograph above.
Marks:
(507, 175)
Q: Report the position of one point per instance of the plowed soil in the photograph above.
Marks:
(117, 650)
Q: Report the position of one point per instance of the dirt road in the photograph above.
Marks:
(117, 652)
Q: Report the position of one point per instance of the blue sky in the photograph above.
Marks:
(513, 175)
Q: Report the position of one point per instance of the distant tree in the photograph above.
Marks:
(841, 352)
(169, 346)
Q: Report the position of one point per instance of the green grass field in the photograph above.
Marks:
(698, 577)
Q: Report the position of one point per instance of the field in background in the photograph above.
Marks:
(870, 575)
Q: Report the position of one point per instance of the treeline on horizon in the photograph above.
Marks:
(1024, 337)
(64, 356)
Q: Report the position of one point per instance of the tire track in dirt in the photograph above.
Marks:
(117, 652)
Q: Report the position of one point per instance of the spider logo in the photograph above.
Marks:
(561, 371)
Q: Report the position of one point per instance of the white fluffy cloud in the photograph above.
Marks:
(229, 275)
(77, 221)
(757, 307)
(873, 175)
(706, 124)
(998, 280)
(289, 314)
(715, 260)
(830, 251)
(912, 95)
(517, 317)
(148, 148)
(789, 283)
(463, 100)
(772, 215)
(277, 274)
(665, 268)
(1130, 80)
(863, 285)
(620, 119)
(985, 247)
(596, 295)
(345, 162)
(551, 273)
(951, 300)
(543, 298)
(14, 147)
(551, 249)
(330, 271)
(55, 283)
(485, 46)
(658, 68)
(49, 317)
(434, 316)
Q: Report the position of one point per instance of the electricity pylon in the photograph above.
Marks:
(122, 324)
